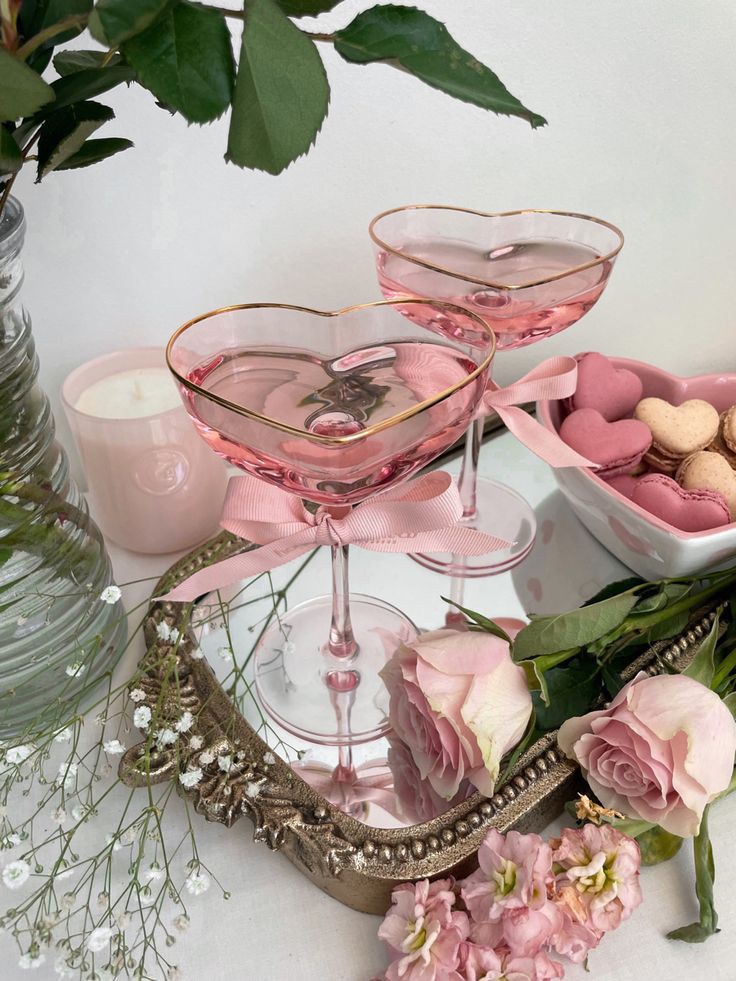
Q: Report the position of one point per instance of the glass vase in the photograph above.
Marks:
(58, 639)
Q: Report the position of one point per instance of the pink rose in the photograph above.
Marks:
(513, 874)
(662, 751)
(424, 933)
(460, 704)
(599, 875)
(416, 797)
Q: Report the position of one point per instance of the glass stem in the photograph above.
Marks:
(342, 642)
(468, 479)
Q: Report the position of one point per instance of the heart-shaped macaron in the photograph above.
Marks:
(677, 430)
(616, 446)
(709, 471)
(614, 392)
(688, 510)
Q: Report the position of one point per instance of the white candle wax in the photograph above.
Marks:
(131, 394)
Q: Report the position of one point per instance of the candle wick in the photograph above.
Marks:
(137, 390)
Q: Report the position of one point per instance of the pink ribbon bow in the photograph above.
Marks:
(553, 379)
(419, 516)
(370, 783)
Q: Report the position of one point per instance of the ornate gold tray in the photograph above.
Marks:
(355, 863)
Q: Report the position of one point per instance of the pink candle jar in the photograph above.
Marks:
(154, 485)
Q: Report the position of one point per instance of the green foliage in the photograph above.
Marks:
(93, 151)
(65, 132)
(68, 62)
(86, 84)
(658, 845)
(306, 8)
(10, 160)
(22, 91)
(185, 58)
(410, 39)
(39, 15)
(705, 873)
(572, 690)
(281, 93)
(114, 21)
(483, 622)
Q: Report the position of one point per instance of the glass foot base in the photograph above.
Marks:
(321, 698)
(502, 512)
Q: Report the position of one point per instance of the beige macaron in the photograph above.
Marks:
(724, 441)
(678, 431)
(705, 470)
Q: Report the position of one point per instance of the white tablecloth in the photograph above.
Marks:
(278, 927)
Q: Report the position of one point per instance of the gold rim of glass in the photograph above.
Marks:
(351, 437)
(494, 214)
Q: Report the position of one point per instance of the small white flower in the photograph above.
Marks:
(181, 922)
(154, 873)
(63, 970)
(196, 653)
(99, 939)
(113, 747)
(79, 812)
(196, 742)
(196, 883)
(100, 720)
(29, 962)
(142, 717)
(191, 778)
(75, 670)
(114, 841)
(252, 789)
(67, 901)
(68, 775)
(129, 836)
(21, 621)
(63, 735)
(16, 873)
(12, 840)
(111, 595)
(137, 695)
(225, 763)
(185, 723)
(58, 816)
(207, 757)
(18, 754)
(268, 758)
(226, 654)
(173, 973)
(66, 874)
(169, 635)
(123, 920)
(165, 737)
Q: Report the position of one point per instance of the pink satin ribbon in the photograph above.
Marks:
(371, 783)
(553, 379)
(420, 516)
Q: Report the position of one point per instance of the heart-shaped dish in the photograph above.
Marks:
(648, 545)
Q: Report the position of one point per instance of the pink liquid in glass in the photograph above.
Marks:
(518, 316)
(335, 397)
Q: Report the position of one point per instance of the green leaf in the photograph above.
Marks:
(5, 554)
(64, 133)
(705, 874)
(114, 21)
(11, 161)
(702, 667)
(615, 589)
(530, 735)
(730, 702)
(536, 671)
(546, 635)
(306, 8)
(93, 151)
(670, 627)
(572, 691)
(36, 17)
(488, 625)
(281, 94)
(22, 91)
(409, 38)
(86, 84)
(68, 62)
(658, 845)
(186, 60)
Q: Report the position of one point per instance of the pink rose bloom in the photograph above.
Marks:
(460, 704)
(526, 930)
(514, 870)
(423, 932)
(599, 875)
(416, 797)
(662, 751)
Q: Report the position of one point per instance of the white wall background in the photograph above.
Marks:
(640, 98)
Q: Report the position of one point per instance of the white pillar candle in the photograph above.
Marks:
(130, 394)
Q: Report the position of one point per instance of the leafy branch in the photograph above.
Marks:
(182, 52)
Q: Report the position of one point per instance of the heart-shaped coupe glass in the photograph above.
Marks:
(333, 407)
(528, 274)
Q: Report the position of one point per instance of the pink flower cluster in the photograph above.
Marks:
(527, 901)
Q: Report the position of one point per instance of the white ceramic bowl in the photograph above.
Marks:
(648, 545)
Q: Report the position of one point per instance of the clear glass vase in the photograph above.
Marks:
(58, 639)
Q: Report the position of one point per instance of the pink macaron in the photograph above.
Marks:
(624, 483)
(616, 447)
(688, 510)
(614, 392)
